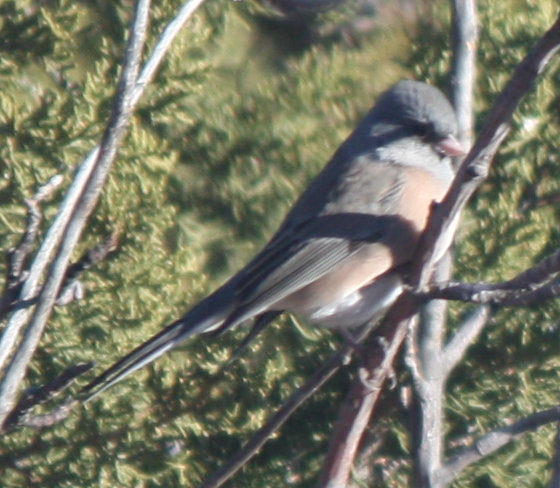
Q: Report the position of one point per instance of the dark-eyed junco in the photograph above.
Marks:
(335, 258)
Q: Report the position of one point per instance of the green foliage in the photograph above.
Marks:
(235, 125)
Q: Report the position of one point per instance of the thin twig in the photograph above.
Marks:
(71, 289)
(339, 359)
(17, 256)
(494, 294)
(465, 336)
(20, 416)
(493, 441)
(90, 258)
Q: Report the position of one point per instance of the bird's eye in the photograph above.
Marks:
(425, 130)
(429, 133)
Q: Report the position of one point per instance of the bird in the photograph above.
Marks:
(337, 258)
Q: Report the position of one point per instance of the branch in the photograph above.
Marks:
(161, 48)
(321, 376)
(536, 284)
(111, 140)
(424, 359)
(493, 441)
(357, 409)
(463, 73)
(20, 415)
(483, 293)
(477, 164)
(71, 285)
(18, 255)
(469, 330)
(30, 288)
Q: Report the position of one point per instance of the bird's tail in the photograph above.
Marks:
(170, 337)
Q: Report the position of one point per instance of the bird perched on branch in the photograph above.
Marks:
(336, 258)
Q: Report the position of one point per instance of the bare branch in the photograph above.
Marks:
(251, 448)
(111, 140)
(543, 272)
(31, 285)
(321, 376)
(424, 358)
(463, 338)
(465, 42)
(20, 416)
(18, 255)
(161, 48)
(494, 294)
(493, 441)
(477, 164)
(535, 284)
(89, 259)
(358, 407)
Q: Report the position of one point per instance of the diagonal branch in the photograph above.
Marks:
(111, 140)
(493, 441)
(322, 375)
(465, 336)
(250, 449)
(357, 409)
(21, 415)
(31, 286)
(476, 166)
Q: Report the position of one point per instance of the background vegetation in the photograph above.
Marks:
(247, 108)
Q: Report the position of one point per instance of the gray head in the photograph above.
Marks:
(409, 111)
(419, 109)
